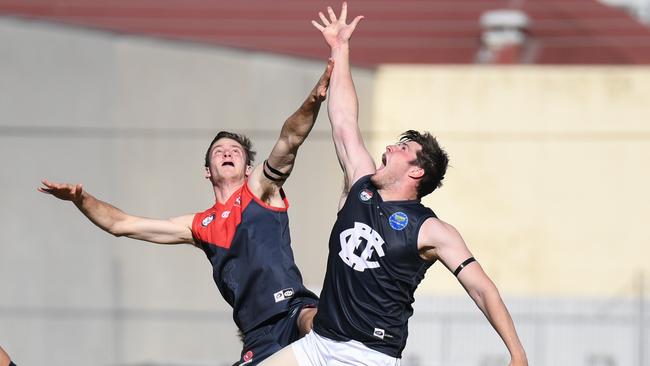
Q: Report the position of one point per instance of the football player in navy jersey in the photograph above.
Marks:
(244, 234)
(384, 239)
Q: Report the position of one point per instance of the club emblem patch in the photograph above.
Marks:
(225, 214)
(361, 238)
(398, 220)
(365, 195)
(206, 221)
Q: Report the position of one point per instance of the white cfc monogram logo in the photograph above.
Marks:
(352, 238)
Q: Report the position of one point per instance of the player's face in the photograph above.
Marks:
(397, 160)
(227, 159)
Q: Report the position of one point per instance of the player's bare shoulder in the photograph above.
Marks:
(266, 186)
(436, 235)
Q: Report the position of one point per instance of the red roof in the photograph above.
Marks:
(409, 31)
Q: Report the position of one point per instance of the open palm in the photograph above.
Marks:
(335, 30)
(63, 191)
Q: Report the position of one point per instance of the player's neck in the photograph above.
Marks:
(223, 190)
(397, 192)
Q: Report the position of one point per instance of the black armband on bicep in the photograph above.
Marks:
(273, 174)
(463, 265)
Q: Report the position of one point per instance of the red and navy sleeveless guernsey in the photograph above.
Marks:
(248, 243)
(373, 269)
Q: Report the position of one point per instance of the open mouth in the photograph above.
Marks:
(228, 163)
(383, 159)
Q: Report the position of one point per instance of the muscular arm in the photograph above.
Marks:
(266, 180)
(343, 106)
(486, 296)
(439, 240)
(116, 222)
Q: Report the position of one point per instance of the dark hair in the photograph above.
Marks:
(432, 158)
(244, 141)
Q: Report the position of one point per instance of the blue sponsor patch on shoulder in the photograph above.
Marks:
(398, 220)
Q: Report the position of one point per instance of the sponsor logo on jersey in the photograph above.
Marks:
(379, 333)
(398, 220)
(282, 295)
(206, 221)
(248, 358)
(365, 195)
(351, 240)
(225, 214)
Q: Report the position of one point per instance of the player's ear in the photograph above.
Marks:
(416, 172)
(249, 170)
(207, 174)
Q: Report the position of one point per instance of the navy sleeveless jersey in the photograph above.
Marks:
(248, 243)
(373, 269)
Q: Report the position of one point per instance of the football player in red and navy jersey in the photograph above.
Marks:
(245, 234)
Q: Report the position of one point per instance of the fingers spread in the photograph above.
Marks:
(331, 13)
(344, 12)
(318, 26)
(323, 18)
(356, 21)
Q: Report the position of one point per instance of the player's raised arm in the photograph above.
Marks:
(442, 241)
(269, 176)
(343, 105)
(116, 222)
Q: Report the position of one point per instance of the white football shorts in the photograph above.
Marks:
(316, 350)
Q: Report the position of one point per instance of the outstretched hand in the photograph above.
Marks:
(63, 191)
(335, 30)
